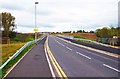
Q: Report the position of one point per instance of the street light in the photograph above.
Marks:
(35, 23)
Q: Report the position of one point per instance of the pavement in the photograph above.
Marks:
(80, 62)
(34, 64)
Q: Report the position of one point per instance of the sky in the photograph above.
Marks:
(62, 15)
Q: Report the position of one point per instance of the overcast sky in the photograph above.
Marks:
(62, 15)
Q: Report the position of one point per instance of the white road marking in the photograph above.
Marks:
(94, 53)
(68, 48)
(50, 66)
(83, 55)
(17, 63)
(111, 67)
(62, 45)
(93, 49)
(59, 43)
(77, 52)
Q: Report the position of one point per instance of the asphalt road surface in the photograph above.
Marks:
(80, 62)
(75, 61)
(34, 64)
(96, 46)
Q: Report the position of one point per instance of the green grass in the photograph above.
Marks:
(12, 62)
(90, 42)
(9, 50)
(79, 37)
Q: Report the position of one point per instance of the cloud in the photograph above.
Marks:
(38, 25)
(11, 7)
(62, 15)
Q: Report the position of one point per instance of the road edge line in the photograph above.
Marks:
(93, 49)
(57, 70)
(48, 60)
(56, 65)
(17, 62)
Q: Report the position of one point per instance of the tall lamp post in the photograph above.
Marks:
(35, 29)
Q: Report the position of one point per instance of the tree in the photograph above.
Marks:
(83, 31)
(73, 31)
(8, 23)
(103, 33)
(0, 21)
(91, 31)
(79, 31)
(108, 32)
(118, 31)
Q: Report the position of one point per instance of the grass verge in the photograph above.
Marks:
(12, 62)
(9, 50)
(79, 37)
(88, 41)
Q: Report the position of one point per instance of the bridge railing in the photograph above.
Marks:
(19, 51)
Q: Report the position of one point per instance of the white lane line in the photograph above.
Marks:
(59, 43)
(111, 67)
(101, 56)
(97, 54)
(50, 66)
(63, 45)
(69, 48)
(83, 55)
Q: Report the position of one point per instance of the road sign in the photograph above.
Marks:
(35, 29)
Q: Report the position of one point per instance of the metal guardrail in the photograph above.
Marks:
(19, 51)
(86, 40)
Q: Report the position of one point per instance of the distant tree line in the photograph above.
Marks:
(108, 32)
(79, 31)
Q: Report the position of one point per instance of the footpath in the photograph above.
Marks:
(33, 65)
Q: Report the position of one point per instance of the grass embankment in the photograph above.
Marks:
(12, 62)
(89, 36)
(9, 50)
(84, 37)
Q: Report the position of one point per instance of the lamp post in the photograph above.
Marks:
(35, 23)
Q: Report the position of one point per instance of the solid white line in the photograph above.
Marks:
(50, 66)
(17, 62)
(68, 48)
(83, 55)
(93, 49)
(111, 67)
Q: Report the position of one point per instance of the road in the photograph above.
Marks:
(80, 62)
(96, 46)
(75, 62)
(34, 64)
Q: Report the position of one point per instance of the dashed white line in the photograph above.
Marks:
(59, 43)
(68, 48)
(62, 45)
(83, 55)
(111, 68)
